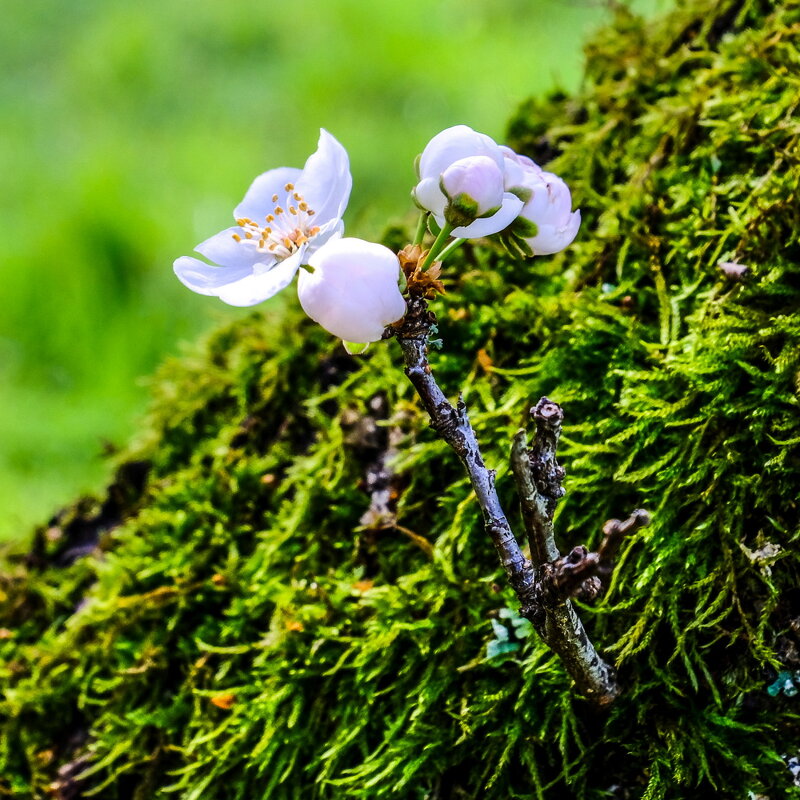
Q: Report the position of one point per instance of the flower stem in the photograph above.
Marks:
(454, 245)
(444, 234)
(422, 226)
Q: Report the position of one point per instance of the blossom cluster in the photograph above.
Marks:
(291, 219)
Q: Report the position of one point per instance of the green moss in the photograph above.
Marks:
(239, 634)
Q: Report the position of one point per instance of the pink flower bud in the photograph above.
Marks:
(473, 187)
(547, 222)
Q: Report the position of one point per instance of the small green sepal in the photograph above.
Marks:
(523, 192)
(355, 348)
(490, 213)
(461, 210)
(524, 228)
(515, 246)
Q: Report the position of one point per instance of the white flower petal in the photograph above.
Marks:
(259, 286)
(204, 278)
(429, 195)
(509, 211)
(521, 173)
(329, 231)
(524, 161)
(514, 174)
(558, 195)
(453, 144)
(258, 202)
(223, 249)
(554, 238)
(325, 181)
(538, 207)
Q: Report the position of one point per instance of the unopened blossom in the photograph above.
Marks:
(473, 187)
(352, 289)
(286, 215)
(547, 222)
(463, 155)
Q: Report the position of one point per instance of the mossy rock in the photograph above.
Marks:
(228, 623)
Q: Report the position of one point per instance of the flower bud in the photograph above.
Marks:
(473, 187)
(353, 290)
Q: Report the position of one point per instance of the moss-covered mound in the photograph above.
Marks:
(233, 621)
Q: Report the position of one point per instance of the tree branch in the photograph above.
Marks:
(544, 589)
(539, 476)
(452, 424)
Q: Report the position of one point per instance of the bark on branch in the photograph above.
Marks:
(452, 424)
(544, 586)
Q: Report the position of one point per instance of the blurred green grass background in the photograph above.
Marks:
(130, 132)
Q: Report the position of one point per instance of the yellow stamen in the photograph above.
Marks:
(274, 198)
(278, 237)
(289, 187)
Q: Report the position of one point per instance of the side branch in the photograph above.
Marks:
(535, 514)
(546, 472)
(581, 572)
(539, 476)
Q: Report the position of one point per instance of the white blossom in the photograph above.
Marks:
(462, 154)
(352, 289)
(286, 215)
